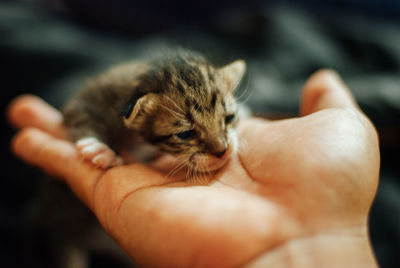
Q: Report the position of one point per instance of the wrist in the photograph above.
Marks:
(351, 248)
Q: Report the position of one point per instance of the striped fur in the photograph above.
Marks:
(179, 102)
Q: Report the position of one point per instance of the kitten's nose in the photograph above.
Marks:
(220, 154)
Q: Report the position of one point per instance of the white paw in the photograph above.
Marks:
(98, 153)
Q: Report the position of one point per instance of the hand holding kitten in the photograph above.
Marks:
(297, 195)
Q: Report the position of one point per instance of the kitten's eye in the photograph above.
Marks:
(229, 118)
(185, 135)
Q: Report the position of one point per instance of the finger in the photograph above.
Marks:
(101, 190)
(57, 157)
(31, 111)
(325, 89)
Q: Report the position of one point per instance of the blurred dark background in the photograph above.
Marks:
(50, 47)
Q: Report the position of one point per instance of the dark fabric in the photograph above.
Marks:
(48, 48)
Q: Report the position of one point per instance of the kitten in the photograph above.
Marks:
(180, 103)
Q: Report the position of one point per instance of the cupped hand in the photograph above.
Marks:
(298, 191)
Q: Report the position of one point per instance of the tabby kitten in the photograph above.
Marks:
(181, 103)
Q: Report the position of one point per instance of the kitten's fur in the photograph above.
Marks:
(181, 103)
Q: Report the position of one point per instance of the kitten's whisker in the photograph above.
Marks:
(242, 94)
(188, 172)
(176, 105)
(246, 90)
(174, 113)
(197, 173)
(191, 171)
(247, 98)
(201, 177)
(193, 178)
(177, 167)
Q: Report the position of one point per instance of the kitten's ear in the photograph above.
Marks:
(143, 105)
(233, 72)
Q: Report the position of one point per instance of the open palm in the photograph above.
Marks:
(295, 181)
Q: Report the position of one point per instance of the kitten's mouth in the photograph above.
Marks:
(208, 162)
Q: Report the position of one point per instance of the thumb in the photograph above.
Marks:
(323, 90)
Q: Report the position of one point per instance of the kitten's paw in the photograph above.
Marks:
(98, 153)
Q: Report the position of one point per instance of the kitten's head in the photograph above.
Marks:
(186, 107)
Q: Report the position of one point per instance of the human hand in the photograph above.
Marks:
(297, 194)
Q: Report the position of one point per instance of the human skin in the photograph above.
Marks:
(297, 194)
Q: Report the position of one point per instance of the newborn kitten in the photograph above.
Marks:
(180, 103)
